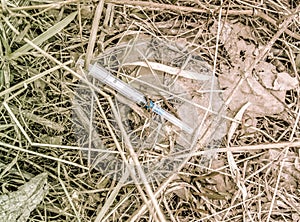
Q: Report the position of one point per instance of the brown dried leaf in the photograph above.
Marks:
(223, 183)
(297, 61)
(263, 102)
(266, 73)
(211, 194)
(285, 82)
(226, 31)
(255, 89)
(271, 79)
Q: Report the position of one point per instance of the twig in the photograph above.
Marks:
(70, 199)
(135, 159)
(41, 155)
(32, 79)
(138, 166)
(93, 34)
(41, 6)
(212, 10)
(259, 58)
(277, 184)
(262, 55)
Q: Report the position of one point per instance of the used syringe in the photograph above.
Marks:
(131, 93)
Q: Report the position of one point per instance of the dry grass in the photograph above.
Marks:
(253, 176)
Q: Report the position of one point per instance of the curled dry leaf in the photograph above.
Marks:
(265, 89)
(223, 183)
(250, 91)
(285, 82)
(271, 79)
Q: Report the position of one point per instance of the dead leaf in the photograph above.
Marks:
(223, 183)
(17, 206)
(266, 73)
(285, 82)
(265, 89)
(271, 79)
(297, 61)
(226, 30)
(263, 102)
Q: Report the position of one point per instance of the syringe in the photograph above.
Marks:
(131, 93)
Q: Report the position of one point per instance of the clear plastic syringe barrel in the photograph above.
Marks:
(123, 88)
(168, 116)
(126, 90)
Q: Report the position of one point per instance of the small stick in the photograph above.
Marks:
(93, 36)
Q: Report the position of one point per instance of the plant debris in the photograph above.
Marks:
(17, 206)
(265, 83)
(247, 52)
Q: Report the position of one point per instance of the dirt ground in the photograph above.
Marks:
(223, 144)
